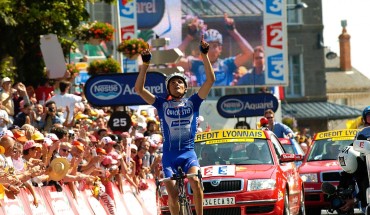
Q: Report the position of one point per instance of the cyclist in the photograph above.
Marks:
(224, 69)
(178, 117)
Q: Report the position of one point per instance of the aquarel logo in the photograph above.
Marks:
(106, 89)
(232, 106)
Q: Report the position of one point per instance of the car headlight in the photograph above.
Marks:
(261, 184)
(310, 177)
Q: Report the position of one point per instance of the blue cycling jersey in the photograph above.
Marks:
(178, 121)
(224, 71)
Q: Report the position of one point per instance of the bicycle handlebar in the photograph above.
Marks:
(179, 176)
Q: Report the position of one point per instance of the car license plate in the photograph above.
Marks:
(219, 201)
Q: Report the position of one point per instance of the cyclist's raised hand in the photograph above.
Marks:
(204, 46)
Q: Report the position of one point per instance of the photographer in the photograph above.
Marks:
(354, 165)
(50, 116)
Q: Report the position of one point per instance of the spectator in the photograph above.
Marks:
(31, 150)
(36, 116)
(6, 97)
(4, 118)
(44, 91)
(278, 128)
(24, 116)
(256, 76)
(20, 166)
(50, 117)
(19, 96)
(151, 128)
(65, 99)
(65, 150)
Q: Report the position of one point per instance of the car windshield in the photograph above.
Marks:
(254, 151)
(288, 148)
(327, 149)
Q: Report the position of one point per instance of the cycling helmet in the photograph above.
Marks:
(347, 159)
(365, 112)
(176, 75)
(212, 35)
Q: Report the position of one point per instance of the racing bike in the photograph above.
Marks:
(184, 202)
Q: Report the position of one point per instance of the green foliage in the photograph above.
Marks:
(132, 47)
(104, 67)
(95, 30)
(6, 68)
(23, 21)
(72, 68)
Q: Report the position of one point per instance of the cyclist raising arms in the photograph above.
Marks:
(178, 117)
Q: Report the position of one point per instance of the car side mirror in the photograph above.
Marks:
(299, 157)
(287, 157)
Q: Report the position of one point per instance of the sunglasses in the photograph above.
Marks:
(269, 117)
(66, 150)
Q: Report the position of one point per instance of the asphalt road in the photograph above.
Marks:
(325, 212)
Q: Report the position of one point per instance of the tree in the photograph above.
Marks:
(23, 21)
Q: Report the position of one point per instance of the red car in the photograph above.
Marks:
(246, 172)
(321, 165)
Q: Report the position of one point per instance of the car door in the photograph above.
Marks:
(289, 168)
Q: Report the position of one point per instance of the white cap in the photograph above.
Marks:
(6, 79)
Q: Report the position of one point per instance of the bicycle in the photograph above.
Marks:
(185, 208)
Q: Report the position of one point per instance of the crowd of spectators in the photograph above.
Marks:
(50, 136)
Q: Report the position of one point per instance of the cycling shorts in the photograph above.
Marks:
(172, 160)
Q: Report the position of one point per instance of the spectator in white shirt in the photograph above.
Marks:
(66, 99)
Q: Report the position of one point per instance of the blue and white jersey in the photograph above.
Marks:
(178, 122)
(224, 71)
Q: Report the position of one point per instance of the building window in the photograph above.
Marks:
(341, 101)
(296, 83)
(294, 16)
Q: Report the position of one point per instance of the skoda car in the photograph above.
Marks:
(246, 172)
(321, 165)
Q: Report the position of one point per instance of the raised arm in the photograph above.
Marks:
(247, 49)
(140, 81)
(210, 75)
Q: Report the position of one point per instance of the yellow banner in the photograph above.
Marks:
(350, 133)
(229, 134)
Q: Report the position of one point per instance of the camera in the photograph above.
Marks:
(337, 197)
